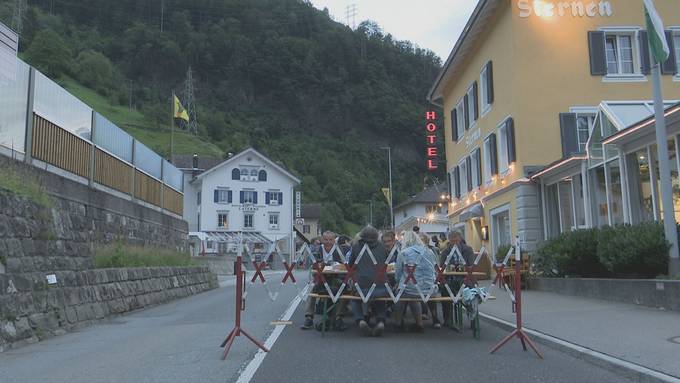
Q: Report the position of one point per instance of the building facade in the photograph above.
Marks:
(247, 194)
(427, 210)
(524, 87)
(309, 222)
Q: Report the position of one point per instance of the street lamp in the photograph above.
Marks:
(389, 162)
(370, 208)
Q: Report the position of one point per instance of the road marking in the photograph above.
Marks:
(643, 374)
(281, 323)
(248, 372)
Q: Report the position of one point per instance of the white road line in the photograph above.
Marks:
(249, 371)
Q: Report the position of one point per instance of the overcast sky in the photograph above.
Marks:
(432, 24)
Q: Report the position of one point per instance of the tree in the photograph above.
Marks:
(96, 71)
(50, 54)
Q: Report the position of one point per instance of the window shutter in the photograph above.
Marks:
(454, 125)
(510, 132)
(254, 197)
(598, 64)
(241, 196)
(228, 196)
(669, 66)
(468, 172)
(448, 183)
(467, 112)
(493, 154)
(280, 198)
(456, 178)
(216, 196)
(267, 199)
(479, 167)
(645, 63)
(569, 134)
(476, 100)
(489, 82)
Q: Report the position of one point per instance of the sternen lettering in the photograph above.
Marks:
(546, 8)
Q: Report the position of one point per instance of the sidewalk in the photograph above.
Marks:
(633, 333)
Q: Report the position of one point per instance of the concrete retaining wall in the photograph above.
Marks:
(30, 309)
(646, 292)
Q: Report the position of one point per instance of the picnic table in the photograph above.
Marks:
(458, 307)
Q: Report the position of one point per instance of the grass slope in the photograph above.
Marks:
(136, 124)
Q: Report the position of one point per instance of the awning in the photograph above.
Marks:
(232, 236)
(473, 211)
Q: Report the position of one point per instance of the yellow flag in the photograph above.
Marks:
(179, 111)
(388, 195)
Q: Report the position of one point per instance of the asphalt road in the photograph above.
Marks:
(175, 342)
(433, 356)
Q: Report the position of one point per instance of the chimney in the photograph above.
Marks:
(230, 154)
(194, 170)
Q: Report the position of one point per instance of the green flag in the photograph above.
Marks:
(655, 31)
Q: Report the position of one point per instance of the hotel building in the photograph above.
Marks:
(545, 105)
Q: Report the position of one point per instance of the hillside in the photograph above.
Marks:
(278, 75)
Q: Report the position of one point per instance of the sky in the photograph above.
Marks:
(432, 24)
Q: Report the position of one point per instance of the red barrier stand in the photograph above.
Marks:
(237, 331)
(518, 331)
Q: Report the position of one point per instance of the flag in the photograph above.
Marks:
(179, 111)
(655, 32)
(388, 195)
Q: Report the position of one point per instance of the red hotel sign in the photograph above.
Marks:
(431, 130)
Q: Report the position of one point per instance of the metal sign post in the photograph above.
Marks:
(519, 330)
(237, 330)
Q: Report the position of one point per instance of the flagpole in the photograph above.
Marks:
(669, 226)
(172, 127)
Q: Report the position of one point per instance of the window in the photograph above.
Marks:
(484, 87)
(405, 214)
(248, 196)
(475, 163)
(306, 229)
(209, 244)
(620, 53)
(222, 220)
(262, 175)
(433, 209)
(676, 44)
(503, 163)
(222, 196)
(235, 174)
(248, 221)
(463, 177)
(584, 124)
(500, 227)
(472, 105)
(222, 247)
(273, 198)
(253, 173)
(460, 119)
(274, 221)
(244, 174)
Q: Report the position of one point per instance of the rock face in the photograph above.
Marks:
(30, 309)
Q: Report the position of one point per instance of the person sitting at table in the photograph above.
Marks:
(413, 254)
(365, 277)
(325, 257)
(468, 257)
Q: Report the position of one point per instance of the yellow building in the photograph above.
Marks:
(537, 83)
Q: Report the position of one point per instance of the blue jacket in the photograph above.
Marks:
(424, 261)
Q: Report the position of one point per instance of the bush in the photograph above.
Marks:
(120, 255)
(634, 251)
(619, 251)
(24, 184)
(501, 252)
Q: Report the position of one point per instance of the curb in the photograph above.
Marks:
(636, 372)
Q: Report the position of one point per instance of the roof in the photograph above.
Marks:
(311, 210)
(253, 152)
(431, 194)
(186, 162)
(472, 32)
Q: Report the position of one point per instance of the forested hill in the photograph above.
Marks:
(278, 75)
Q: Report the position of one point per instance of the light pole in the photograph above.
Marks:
(370, 209)
(389, 161)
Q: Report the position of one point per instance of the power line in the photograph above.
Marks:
(190, 100)
(351, 13)
(18, 15)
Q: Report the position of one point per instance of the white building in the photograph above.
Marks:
(247, 193)
(426, 210)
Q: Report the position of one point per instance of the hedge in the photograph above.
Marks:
(628, 251)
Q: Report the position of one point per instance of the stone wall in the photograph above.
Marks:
(658, 293)
(31, 309)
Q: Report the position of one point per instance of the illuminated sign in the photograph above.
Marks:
(431, 134)
(545, 8)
